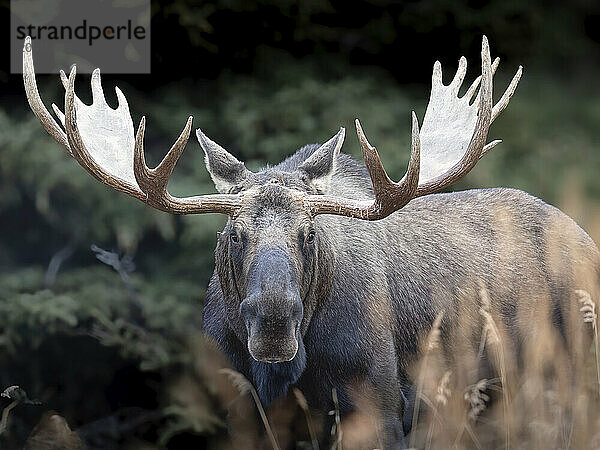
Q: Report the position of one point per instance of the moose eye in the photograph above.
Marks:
(310, 237)
(235, 239)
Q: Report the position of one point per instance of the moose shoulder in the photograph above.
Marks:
(328, 272)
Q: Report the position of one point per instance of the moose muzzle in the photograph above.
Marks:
(273, 310)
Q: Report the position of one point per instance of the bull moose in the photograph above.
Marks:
(328, 271)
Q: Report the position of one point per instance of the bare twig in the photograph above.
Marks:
(57, 260)
(122, 265)
(5, 412)
(17, 395)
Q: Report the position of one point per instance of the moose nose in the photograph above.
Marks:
(272, 334)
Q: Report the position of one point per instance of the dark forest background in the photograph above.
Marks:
(103, 340)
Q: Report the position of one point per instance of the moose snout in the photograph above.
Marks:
(272, 330)
(272, 310)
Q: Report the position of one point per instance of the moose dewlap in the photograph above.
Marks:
(328, 272)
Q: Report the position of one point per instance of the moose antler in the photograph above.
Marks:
(101, 139)
(451, 141)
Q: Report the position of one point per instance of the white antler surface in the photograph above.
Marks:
(448, 124)
(450, 120)
(107, 133)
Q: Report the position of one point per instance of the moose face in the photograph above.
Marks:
(267, 252)
(268, 255)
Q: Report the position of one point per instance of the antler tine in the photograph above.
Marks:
(389, 196)
(460, 75)
(380, 179)
(502, 103)
(477, 143)
(35, 101)
(63, 78)
(143, 174)
(414, 165)
(473, 88)
(166, 166)
(510, 90)
(78, 149)
(490, 146)
(153, 182)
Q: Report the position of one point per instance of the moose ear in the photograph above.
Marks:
(320, 166)
(225, 169)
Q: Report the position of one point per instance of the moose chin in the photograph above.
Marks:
(327, 271)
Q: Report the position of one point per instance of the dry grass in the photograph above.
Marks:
(494, 342)
(546, 396)
(309, 422)
(432, 343)
(588, 309)
(441, 400)
(543, 402)
(336, 432)
(244, 387)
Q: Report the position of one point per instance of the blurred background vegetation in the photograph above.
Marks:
(100, 335)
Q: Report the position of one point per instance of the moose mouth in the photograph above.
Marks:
(272, 346)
